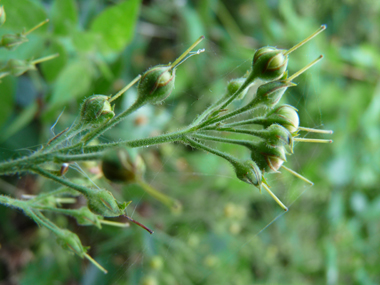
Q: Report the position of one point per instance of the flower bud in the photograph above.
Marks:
(70, 241)
(96, 110)
(270, 93)
(268, 159)
(3, 16)
(11, 41)
(248, 172)
(156, 84)
(269, 64)
(18, 67)
(103, 203)
(286, 116)
(85, 217)
(120, 165)
(234, 86)
(278, 136)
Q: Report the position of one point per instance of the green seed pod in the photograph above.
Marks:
(156, 84)
(234, 86)
(248, 172)
(268, 159)
(269, 94)
(286, 116)
(269, 64)
(103, 203)
(3, 16)
(11, 41)
(278, 136)
(122, 165)
(85, 217)
(70, 241)
(96, 110)
(18, 67)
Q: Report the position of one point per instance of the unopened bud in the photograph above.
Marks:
(122, 165)
(3, 16)
(286, 116)
(70, 241)
(156, 84)
(269, 94)
(11, 41)
(268, 159)
(18, 67)
(248, 172)
(278, 136)
(96, 110)
(234, 86)
(269, 64)
(103, 203)
(85, 217)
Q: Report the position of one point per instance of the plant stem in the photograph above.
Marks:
(164, 199)
(226, 156)
(83, 190)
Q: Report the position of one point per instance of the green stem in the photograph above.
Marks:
(245, 143)
(224, 155)
(83, 190)
(257, 133)
(77, 157)
(44, 195)
(246, 84)
(171, 137)
(164, 199)
(254, 121)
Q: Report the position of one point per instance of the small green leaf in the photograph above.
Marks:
(73, 82)
(116, 25)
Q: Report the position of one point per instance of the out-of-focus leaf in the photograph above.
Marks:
(74, 81)
(52, 68)
(84, 41)
(32, 14)
(116, 25)
(21, 121)
(7, 88)
(64, 16)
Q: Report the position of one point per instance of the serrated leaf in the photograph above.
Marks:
(116, 25)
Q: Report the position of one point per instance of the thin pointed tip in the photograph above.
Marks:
(202, 37)
(324, 27)
(46, 20)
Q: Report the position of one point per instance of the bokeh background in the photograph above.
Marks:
(227, 232)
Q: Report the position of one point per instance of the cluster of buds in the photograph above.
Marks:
(280, 124)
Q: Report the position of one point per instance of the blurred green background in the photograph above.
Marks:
(227, 232)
